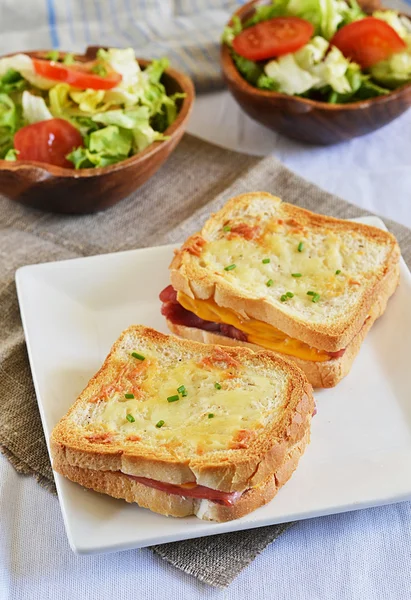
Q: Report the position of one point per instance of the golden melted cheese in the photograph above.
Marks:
(258, 332)
(356, 258)
(246, 401)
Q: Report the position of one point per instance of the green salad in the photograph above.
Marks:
(57, 110)
(327, 50)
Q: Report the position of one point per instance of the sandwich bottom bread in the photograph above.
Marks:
(183, 428)
(262, 273)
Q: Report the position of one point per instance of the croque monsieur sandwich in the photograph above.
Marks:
(184, 428)
(263, 273)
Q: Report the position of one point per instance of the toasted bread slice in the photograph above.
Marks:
(311, 277)
(181, 413)
(319, 374)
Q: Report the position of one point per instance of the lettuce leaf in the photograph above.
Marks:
(104, 147)
(34, 108)
(136, 120)
(394, 71)
(289, 76)
(10, 121)
(249, 69)
(111, 141)
(12, 82)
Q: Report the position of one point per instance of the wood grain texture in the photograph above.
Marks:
(62, 190)
(307, 120)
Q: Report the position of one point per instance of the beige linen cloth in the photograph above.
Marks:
(197, 179)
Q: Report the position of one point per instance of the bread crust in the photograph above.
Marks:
(189, 279)
(229, 470)
(118, 485)
(319, 374)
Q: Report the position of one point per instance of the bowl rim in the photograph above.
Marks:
(182, 79)
(233, 75)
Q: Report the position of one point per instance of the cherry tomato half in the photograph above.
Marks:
(272, 38)
(79, 75)
(48, 142)
(368, 41)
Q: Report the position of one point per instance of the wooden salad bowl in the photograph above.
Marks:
(77, 191)
(306, 120)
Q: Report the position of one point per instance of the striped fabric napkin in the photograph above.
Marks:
(187, 31)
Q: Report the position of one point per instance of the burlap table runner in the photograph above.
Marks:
(197, 179)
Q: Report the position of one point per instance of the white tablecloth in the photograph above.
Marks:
(364, 555)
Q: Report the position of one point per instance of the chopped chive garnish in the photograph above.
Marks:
(316, 297)
(338, 271)
(173, 398)
(300, 247)
(182, 390)
(296, 275)
(269, 283)
(210, 415)
(129, 396)
(230, 267)
(130, 418)
(265, 261)
(138, 356)
(310, 293)
(290, 295)
(284, 298)
(217, 386)
(160, 423)
(226, 228)
(53, 55)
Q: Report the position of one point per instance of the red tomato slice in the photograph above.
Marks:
(272, 38)
(368, 41)
(79, 75)
(48, 142)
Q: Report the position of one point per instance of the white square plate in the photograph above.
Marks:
(360, 453)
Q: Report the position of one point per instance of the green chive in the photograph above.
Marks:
(210, 415)
(138, 356)
(338, 271)
(129, 396)
(230, 267)
(290, 295)
(316, 297)
(160, 423)
(310, 293)
(69, 59)
(53, 55)
(300, 247)
(265, 261)
(296, 275)
(130, 418)
(283, 298)
(217, 386)
(226, 228)
(173, 398)
(269, 283)
(182, 390)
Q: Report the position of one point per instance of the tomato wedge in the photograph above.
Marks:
(368, 41)
(79, 75)
(48, 141)
(272, 38)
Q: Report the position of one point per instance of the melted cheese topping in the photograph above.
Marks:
(258, 332)
(356, 257)
(246, 402)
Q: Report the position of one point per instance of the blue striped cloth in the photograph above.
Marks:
(187, 31)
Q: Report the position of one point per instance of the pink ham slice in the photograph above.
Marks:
(195, 491)
(177, 314)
